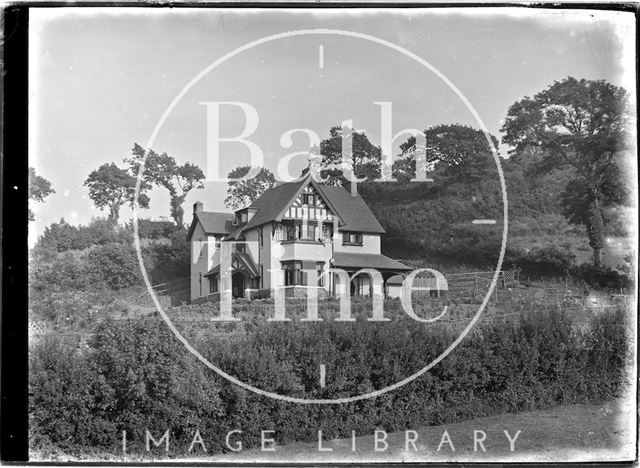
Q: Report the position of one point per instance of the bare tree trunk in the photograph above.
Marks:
(597, 257)
(114, 212)
(595, 231)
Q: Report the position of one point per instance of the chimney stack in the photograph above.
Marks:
(197, 207)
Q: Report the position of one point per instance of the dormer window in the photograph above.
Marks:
(243, 218)
(351, 238)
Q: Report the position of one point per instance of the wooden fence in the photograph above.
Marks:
(473, 285)
(178, 291)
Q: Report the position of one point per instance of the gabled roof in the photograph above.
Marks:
(367, 260)
(352, 210)
(272, 202)
(212, 223)
(245, 260)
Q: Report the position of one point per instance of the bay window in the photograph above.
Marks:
(293, 274)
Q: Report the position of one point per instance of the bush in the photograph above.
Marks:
(115, 265)
(602, 277)
(59, 237)
(139, 376)
(64, 271)
(546, 261)
(149, 229)
(169, 262)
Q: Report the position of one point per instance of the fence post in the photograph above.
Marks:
(475, 285)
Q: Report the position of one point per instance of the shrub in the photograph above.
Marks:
(602, 277)
(546, 261)
(59, 237)
(115, 265)
(169, 262)
(139, 376)
(65, 271)
(54, 305)
(149, 229)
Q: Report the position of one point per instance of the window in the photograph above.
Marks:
(240, 247)
(351, 238)
(213, 284)
(200, 245)
(261, 237)
(293, 274)
(243, 218)
(261, 276)
(319, 268)
(291, 232)
(278, 233)
(327, 232)
(310, 232)
(309, 199)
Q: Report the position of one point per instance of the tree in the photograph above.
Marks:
(244, 192)
(39, 189)
(456, 151)
(579, 124)
(163, 171)
(59, 236)
(365, 158)
(111, 187)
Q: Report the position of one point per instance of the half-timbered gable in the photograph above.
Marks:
(310, 204)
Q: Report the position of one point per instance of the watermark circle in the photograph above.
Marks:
(318, 32)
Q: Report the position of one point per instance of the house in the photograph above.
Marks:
(288, 238)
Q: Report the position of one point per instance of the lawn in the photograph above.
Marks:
(585, 432)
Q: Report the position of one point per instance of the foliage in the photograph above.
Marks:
(459, 152)
(162, 170)
(111, 187)
(241, 194)
(114, 265)
(581, 124)
(39, 189)
(154, 230)
(138, 376)
(171, 261)
(595, 230)
(600, 277)
(365, 157)
(62, 237)
(64, 272)
(54, 305)
(546, 261)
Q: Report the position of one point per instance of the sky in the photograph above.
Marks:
(101, 79)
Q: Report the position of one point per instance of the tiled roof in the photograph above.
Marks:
(212, 222)
(367, 260)
(352, 209)
(273, 202)
(244, 258)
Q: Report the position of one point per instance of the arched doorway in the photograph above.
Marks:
(237, 285)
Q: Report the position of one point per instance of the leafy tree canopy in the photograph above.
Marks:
(162, 170)
(455, 151)
(244, 192)
(584, 125)
(111, 187)
(39, 189)
(365, 157)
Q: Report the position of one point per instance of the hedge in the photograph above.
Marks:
(138, 376)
